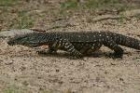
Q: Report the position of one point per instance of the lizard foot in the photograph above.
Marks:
(45, 52)
(116, 55)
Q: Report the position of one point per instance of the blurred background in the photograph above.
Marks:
(60, 14)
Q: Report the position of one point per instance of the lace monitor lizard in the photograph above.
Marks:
(77, 43)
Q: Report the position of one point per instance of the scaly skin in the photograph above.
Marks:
(77, 43)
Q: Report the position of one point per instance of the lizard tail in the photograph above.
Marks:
(127, 41)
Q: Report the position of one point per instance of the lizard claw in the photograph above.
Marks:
(41, 52)
(116, 55)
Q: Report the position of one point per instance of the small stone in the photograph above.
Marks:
(57, 70)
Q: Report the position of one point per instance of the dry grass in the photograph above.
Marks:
(19, 14)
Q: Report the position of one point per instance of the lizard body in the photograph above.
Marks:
(77, 43)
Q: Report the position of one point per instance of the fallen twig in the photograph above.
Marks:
(133, 13)
(61, 26)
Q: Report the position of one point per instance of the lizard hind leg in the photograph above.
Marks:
(118, 51)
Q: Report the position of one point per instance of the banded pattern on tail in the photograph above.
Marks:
(126, 41)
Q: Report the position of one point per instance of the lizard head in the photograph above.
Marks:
(32, 39)
(23, 40)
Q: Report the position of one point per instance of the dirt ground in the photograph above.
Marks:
(22, 70)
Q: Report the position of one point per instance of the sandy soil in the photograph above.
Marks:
(22, 70)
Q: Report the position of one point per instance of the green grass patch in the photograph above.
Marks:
(13, 89)
(69, 4)
(73, 4)
(7, 2)
(24, 20)
(105, 5)
(95, 5)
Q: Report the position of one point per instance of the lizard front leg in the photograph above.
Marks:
(62, 44)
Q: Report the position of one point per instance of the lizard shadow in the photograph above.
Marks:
(64, 55)
(67, 55)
